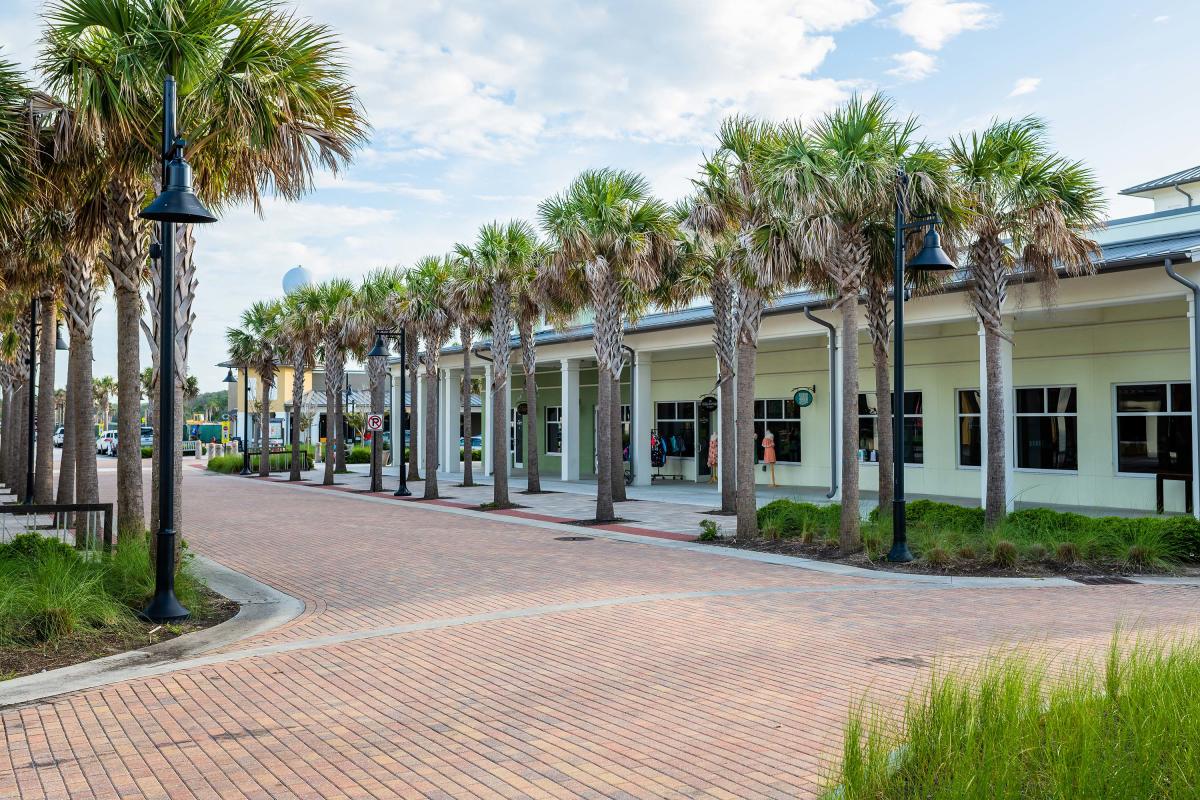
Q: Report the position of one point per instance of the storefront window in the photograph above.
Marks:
(914, 427)
(1154, 428)
(781, 417)
(1047, 428)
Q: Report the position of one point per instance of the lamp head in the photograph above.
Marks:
(59, 342)
(177, 202)
(380, 350)
(932, 257)
(229, 376)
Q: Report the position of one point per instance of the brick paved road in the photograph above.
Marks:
(442, 655)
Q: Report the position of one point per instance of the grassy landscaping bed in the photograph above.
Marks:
(280, 462)
(61, 606)
(950, 539)
(1013, 729)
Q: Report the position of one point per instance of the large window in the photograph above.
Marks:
(1154, 427)
(782, 418)
(676, 425)
(914, 427)
(970, 428)
(554, 430)
(1047, 428)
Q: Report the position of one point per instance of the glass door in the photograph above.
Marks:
(516, 437)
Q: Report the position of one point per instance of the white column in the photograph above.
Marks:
(1192, 345)
(835, 412)
(487, 419)
(570, 419)
(643, 418)
(508, 419)
(1006, 372)
(419, 403)
(445, 418)
(397, 413)
(453, 416)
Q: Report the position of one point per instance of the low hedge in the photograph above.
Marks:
(359, 455)
(147, 452)
(280, 462)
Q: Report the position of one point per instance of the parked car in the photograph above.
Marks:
(476, 441)
(58, 436)
(106, 445)
(147, 436)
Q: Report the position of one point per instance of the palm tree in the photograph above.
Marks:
(371, 312)
(608, 224)
(299, 338)
(331, 310)
(1030, 210)
(289, 110)
(102, 391)
(256, 344)
(471, 311)
(146, 383)
(426, 303)
(15, 161)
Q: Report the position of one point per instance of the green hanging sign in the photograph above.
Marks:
(803, 398)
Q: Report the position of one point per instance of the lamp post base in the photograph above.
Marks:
(165, 607)
(899, 554)
(402, 492)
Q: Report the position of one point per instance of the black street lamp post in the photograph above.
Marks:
(380, 350)
(32, 411)
(175, 204)
(933, 259)
(246, 422)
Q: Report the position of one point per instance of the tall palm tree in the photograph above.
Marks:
(371, 312)
(332, 306)
(608, 225)
(289, 109)
(426, 303)
(471, 311)
(15, 161)
(1030, 212)
(256, 344)
(103, 389)
(299, 338)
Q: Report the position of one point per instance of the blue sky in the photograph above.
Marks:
(481, 109)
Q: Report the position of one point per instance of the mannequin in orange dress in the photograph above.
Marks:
(712, 458)
(768, 446)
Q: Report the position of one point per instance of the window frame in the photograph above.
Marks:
(1015, 416)
(546, 431)
(1116, 415)
(875, 416)
(693, 419)
(958, 417)
(766, 418)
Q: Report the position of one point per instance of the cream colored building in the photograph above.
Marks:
(1100, 403)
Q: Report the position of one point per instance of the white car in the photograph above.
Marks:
(106, 445)
(58, 436)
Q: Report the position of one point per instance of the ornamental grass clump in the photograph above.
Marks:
(1004, 553)
(1015, 729)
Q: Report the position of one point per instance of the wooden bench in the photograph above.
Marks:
(1160, 477)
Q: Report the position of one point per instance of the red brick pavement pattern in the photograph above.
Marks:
(721, 696)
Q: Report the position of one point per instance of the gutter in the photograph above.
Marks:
(1180, 189)
(1195, 351)
(834, 456)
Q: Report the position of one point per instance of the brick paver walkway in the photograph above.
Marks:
(443, 655)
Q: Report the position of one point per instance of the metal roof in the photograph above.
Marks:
(1167, 181)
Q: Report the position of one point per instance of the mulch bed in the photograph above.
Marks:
(588, 523)
(495, 507)
(981, 567)
(16, 661)
(541, 491)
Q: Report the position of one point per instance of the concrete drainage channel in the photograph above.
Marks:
(262, 608)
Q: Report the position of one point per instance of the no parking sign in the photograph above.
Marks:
(374, 422)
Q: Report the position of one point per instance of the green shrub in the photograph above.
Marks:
(359, 455)
(935, 516)
(789, 518)
(476, 454)
(1066, 552)
(1023, 727)
(710, 531)
(937, 556)
(147, 451)
(33, 548)
(1004, 553)
(967, 552)
(1036, 552)
(280, 462)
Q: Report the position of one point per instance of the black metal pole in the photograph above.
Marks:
(32, 411)
(402, 490)
(246, 421)
(165, 607)
(899, 551)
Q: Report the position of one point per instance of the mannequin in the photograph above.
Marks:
(768, 446)
(712, 458)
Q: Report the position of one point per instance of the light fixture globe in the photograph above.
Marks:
(932, 257)
(177, 202)
(296, 278)
(229, 376)
(60, 343)
(380, 350)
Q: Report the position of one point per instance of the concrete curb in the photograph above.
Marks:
(813, 565)
(262, 608)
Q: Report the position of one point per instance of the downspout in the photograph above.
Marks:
(833, 403)
(1179, 189)
(633, 389)
(1195, 350)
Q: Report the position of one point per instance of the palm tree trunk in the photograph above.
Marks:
(727, 453)
(997, 455)
(848, 537)
(331, 392)
(264, 432)
(80, 430)
(298, 365)
(618, 443)
(126, 260)
(66, 468)
(724, 348)
(883, 426)
(414, 413)
(746, 501)
(43, 479)
(465, 396)
(378, 372)
(533, 470)
(431, 423)
(604, 497)
(499, 434)
(340, 412)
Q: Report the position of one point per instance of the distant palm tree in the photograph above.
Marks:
(331, 312)
(471, 312)
(426, 303)
(102, 391)
(371, 312)
(299, 338)
(1030, 211)
(256, 344)
(608, 225)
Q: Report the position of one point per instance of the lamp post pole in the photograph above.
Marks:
(380, 350)
(32, 411)
(246, 421)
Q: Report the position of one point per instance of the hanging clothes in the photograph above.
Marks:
(658, 455)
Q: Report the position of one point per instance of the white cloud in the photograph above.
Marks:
(913, 65)
(1025, 86)
(1161, 18)
(932, 23)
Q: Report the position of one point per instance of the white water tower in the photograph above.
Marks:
(295, 278)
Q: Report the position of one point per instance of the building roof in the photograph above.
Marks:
(1165, 182)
